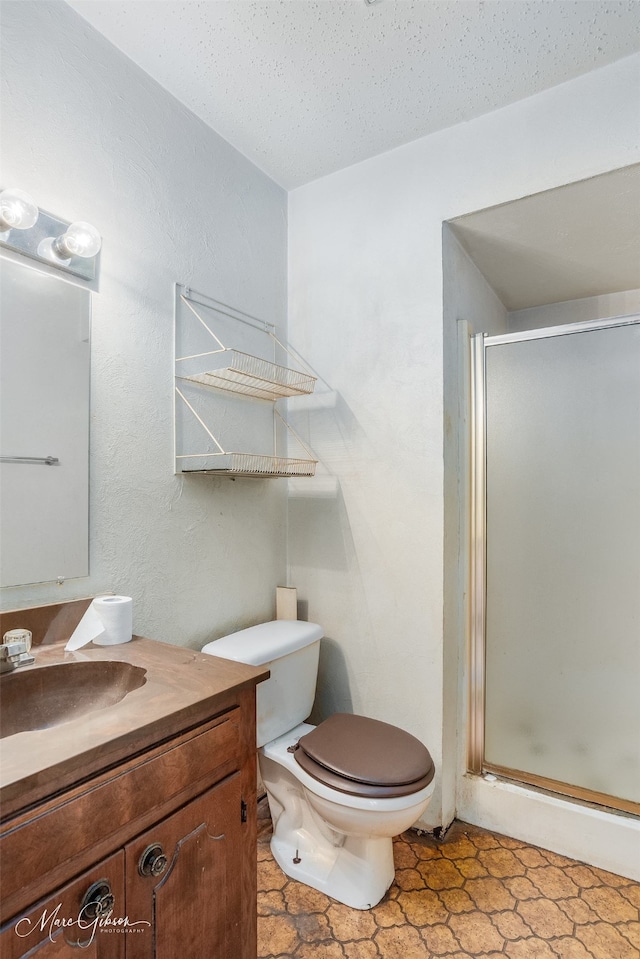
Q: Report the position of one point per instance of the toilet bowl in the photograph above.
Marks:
(338, 792)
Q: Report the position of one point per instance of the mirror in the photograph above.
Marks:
(45, 327)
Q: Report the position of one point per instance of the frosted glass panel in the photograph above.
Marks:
(563, 558)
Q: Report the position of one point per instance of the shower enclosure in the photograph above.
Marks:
(555, 645)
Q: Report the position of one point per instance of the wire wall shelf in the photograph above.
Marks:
(250, 464)
(211, 424)
(254, 376)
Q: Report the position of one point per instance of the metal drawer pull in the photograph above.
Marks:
(153, 861)
(97, 904)
(98, 901)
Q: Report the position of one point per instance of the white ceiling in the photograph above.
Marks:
(304, 88)
(579, 240)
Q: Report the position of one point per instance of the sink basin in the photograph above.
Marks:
(39, 698)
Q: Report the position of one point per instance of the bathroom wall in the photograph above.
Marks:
(584, 310)
(92, 137)
(365, 308)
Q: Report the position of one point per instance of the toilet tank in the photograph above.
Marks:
(289, 648)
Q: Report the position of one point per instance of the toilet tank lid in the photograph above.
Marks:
(262, 644)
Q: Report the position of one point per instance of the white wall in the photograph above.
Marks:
(92, 137)
(584, 310)
(365, 308)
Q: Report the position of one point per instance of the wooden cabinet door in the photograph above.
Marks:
(191, 892)
(57, 926)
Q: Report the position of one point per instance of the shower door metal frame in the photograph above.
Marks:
(476, 658)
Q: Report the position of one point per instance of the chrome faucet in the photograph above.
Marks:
(15, 650)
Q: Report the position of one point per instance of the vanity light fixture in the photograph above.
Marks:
(71, 247)
(17, 211)
(80, 239)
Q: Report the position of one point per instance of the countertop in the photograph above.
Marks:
(182, 688)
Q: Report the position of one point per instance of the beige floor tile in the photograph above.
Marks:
(400, 942)
(440, 874)
(313, 928)
(553, 882)
(631, 893)
(461, 848)
(489, 895)
(404, 856)
(483, 840)
(423, 908)
(276, 934)
(457, 900)
(557, 860)
(361, 950)
(472, 895)
(300, 899)
(570, 948)
(610, 905)
(522, 888)
(582, 875)
(501, 863)
(577, 910)
(510, 925)
(471, 868)
(476, 933)
(605, 942)
(531, 857)
(408, 879)
(533, 948)
(510, 843)
(545, 918)
(389, 914)
(270, 876)
(631, 931)
(271, 902)
(322, 950)
(609, 879)
(439, 939)
(350, 923)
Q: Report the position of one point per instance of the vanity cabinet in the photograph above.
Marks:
(191, 894)
(152, 858)
(38, 932)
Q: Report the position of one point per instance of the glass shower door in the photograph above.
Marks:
(562, 615)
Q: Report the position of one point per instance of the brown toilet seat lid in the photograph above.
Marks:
(365, 757)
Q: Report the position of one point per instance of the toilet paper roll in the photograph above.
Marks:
(107, 622)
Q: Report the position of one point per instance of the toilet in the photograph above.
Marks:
(338, 792)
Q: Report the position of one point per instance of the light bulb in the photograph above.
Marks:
(80, 239)
(17, 210)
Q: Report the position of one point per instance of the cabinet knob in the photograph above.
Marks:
(98, 901)
(153, 861)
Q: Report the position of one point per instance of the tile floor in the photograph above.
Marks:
(474, 894)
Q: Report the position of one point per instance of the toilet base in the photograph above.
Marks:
(358, 873)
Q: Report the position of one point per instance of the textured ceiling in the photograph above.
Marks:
(304, 88)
